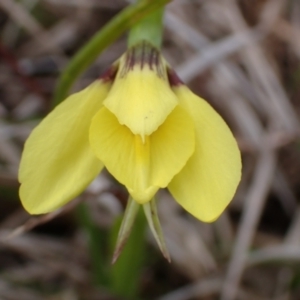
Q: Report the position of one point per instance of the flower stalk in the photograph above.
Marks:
(149, 29)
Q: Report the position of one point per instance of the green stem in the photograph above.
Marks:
(101, 40)
(148, 29)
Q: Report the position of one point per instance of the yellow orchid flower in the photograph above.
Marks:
(147, 128)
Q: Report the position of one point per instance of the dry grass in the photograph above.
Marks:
(244, 58)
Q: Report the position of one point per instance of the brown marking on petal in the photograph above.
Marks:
(160, 68)
(132, 59)
(109, 74)
(173, 78)
(127, 63)
(151, 58)
(142, 55)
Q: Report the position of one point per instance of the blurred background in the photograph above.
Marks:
(243, 56)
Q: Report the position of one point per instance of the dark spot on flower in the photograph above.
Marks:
(109, 74)
(143, 54)
(173, 78)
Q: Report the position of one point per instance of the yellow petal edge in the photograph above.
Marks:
(208, 182)
(57, 163)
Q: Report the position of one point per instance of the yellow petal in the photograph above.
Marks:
(141, 97)
(57, 162)
(143, 167)
(209, 180)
